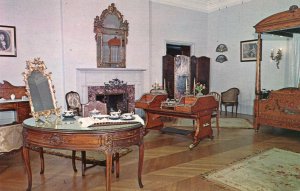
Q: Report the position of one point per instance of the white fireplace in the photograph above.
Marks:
(97, 76)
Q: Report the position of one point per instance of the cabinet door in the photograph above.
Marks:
(168, 74)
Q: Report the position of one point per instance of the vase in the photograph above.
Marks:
(12, 96)
(199, 94)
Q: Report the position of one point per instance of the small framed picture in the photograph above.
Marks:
(248, 50)
(8, 41)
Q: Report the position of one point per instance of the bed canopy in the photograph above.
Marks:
(283, 24)
(282, 107)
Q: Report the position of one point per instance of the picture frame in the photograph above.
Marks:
(8, 45)
(248, 50)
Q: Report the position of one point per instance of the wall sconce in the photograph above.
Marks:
(278, 56)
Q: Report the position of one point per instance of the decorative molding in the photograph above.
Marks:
(206, 6)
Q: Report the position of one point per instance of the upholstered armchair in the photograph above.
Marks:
(73, 103)
(230, 98)
(216, 112)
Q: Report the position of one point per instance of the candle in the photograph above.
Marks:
(194, 85)
(186, 85)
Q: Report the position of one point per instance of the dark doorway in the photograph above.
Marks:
(175, 49)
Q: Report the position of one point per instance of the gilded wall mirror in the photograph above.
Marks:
(40, 90)
(111, 38)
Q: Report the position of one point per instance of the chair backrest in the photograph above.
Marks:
(230, 95)
(217, 97)
(73, 101)
(98, 105)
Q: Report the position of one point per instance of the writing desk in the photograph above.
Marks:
(58, 134)
(198, 108)
(21, 107)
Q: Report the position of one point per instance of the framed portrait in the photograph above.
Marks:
(248, 50)
(8, 41)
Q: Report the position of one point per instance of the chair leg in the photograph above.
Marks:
(83, 162)
(232, 110)
(236, 109)
(217, 119)
(117, 157)
(225, 110)
(73, 160)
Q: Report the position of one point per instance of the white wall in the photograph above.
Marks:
(79, 43)
(38, 34)
(172, 24)
(61, 33)
(234, 24)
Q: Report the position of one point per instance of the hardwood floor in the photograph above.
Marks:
(169, 165)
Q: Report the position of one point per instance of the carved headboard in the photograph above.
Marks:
(6, 89)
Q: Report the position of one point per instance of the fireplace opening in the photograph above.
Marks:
(114, 102)
(116, 94)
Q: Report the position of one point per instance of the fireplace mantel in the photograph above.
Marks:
(109, 69)
(97, 76)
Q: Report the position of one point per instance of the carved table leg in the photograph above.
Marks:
(73, 160)
(141, 161)
(26, 158)
(153, 121)
(203, 130)
(41, 151)
(196, 135)
(108, 170)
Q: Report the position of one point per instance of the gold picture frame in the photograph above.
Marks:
(40, 90)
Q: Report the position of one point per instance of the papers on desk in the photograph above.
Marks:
(89, 121)
(86, 121)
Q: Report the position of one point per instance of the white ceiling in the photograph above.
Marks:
(202, 5)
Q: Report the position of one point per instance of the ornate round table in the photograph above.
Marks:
(59, 134)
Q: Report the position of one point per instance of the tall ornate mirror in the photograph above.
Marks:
(111, 38)
(40, 90)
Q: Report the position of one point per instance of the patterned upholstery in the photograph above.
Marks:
(10, 137)
(98, 105)
(73, 102)
(230, 98)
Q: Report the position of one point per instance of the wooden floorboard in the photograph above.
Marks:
(169, 165)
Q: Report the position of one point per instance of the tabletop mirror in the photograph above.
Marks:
(111, 38)
(40, 90)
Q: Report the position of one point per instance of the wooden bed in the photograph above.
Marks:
(282, 107)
